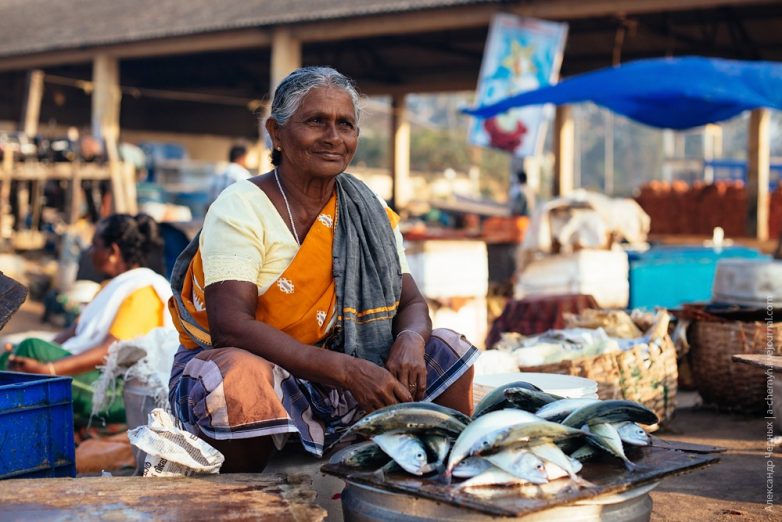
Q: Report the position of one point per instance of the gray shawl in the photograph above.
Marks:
(367, 273)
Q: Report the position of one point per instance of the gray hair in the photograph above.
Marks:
(295, 86)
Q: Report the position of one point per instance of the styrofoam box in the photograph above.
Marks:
(449, 268)
(600, 273)
(470, 319)
(750, 282)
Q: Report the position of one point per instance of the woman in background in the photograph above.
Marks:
(130, 304)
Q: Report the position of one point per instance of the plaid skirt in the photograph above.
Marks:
(229, 393)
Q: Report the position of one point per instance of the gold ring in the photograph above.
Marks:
(412, 387)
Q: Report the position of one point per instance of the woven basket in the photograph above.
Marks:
(728, 385)
(646, 373)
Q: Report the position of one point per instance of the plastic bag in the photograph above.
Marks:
(172, 452)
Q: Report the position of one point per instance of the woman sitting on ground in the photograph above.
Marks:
(130, 304)
(295, 306)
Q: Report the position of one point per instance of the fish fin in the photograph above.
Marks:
(443, 478)
(583, 483)
(630, 466)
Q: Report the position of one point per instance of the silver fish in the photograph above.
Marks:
(362, 455)
(529, 400)
(610, 411)
(521, 463)
(583, 453)
(409, 418)
(471, 467)
(631, 433)
(558, 410)
(495, 400)
(437, 448)
(605, 436)
(473, 435)
(551, 453)
(407, 450)
(493, 476)
(523, 435)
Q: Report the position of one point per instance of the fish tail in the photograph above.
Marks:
(581, 482)
(630, 466)
(443, 477)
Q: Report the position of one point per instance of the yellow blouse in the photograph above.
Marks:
(246, 239)
(138, 314)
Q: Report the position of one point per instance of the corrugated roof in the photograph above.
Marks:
(33, 26)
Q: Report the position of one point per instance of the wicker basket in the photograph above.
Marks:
(720, 381)
(646, 373)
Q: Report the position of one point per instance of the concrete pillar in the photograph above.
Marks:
(400, 153)
(106, 99)
(286, 56)
(758, 159)
(564, 151)
(31, 110)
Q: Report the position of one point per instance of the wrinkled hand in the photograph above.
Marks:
(26, 364)
(406, 363)
(374, 387)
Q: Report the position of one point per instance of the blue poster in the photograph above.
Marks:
(521, 54)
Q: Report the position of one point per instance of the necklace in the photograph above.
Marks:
(288, 207)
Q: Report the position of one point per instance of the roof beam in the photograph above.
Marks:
(250, 38)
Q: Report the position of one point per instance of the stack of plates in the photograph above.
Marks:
(563, 385)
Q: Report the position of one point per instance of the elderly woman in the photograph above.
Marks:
(295, 306)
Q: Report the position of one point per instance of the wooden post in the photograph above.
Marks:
(32, 105)
(758, 158)
(400, 153)
(106, 99)
(564, 148)
(286, 56)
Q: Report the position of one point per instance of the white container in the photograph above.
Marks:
(467, 316)
(567, 386)
(602, 274)
(449, 268)
(749, 282)
(139, 402)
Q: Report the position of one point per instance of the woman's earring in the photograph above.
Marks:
(279, 148)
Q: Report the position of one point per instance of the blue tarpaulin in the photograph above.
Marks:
(674, 93)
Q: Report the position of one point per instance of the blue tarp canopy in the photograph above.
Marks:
(674, 93)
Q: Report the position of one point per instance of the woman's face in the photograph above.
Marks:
(320, 138)
(104, 257)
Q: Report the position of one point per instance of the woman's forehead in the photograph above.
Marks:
(327, 99)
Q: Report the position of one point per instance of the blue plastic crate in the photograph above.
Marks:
(36, 426)
(670, 276)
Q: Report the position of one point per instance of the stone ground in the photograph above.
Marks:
(735, 489)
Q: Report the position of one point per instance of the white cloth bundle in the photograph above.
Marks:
(98, 316)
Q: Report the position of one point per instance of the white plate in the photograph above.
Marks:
(564, 385)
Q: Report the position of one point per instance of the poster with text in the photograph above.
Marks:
(521, 54)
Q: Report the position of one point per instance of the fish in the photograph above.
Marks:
(362, 455)
(485, 424)
(407, 450)
(471, 466)
(495, 400)
(633, 434)
(551, 453)
(523, 435)
(605, 437)
(583, 453)
(437, 448)
(529, 400)
(521, 463)
(493, 476)
(558, 410)
(610, 411)
(408, 418)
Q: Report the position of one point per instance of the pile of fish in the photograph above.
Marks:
(518, 435)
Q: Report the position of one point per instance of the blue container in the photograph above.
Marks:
(36, 426)
(672, 276)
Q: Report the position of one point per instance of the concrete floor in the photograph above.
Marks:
(735, 489)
